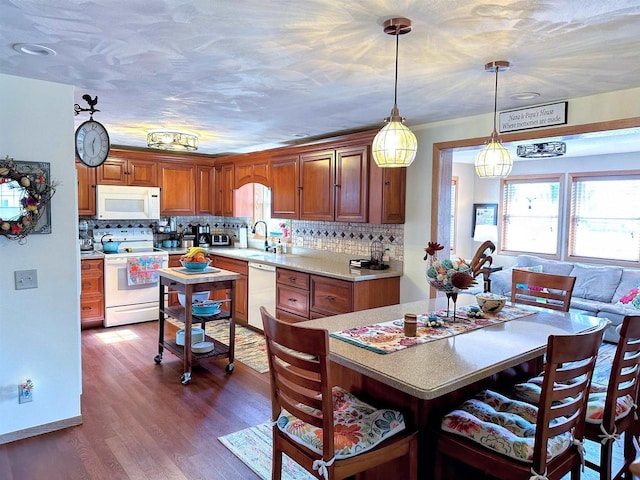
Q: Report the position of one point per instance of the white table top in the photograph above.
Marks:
(212, 275)
(436, 368)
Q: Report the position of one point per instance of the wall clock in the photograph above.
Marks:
(92, 143)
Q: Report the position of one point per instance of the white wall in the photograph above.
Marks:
(583, 110)
(40, 328)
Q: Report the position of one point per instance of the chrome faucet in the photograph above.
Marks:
(266, 242)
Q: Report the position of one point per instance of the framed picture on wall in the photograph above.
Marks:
(485, 220)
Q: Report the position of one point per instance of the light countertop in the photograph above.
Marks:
(330, 264)
(433, 369)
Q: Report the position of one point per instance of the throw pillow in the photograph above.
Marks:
(533, 288)
(631, 298)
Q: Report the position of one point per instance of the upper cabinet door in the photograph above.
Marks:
(177, 183)
(86, 189)
(223, 202)
(317, 182)
(285, 197)
(254, 170)
(128, 168)
(387, 192)
(204, 189)
(352, 187)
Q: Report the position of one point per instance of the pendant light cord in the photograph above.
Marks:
(495, 101)
(395, 89)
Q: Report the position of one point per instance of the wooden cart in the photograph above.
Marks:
(187, 283)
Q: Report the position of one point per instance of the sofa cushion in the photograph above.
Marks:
(548, 266)
(630, 279)
(590, 306)
(596, 283)
(630, 299)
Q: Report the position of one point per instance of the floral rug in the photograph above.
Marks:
(388, 337)
(250, 346)
(253, 446)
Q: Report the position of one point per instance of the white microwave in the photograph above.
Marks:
(114, 202)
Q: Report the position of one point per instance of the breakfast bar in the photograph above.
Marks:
(425, 380)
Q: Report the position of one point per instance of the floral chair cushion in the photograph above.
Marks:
(358, 427)
(530, 392)
(506, 426)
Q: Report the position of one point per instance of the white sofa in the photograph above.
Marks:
(597, 291)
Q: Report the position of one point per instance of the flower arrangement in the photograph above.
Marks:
(449, 276)
(34, 192)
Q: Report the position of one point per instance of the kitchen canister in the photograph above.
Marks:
(410, 324)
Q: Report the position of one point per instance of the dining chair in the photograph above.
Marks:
(511, 439)
(542, 289)
(328, 431)
(611, 408)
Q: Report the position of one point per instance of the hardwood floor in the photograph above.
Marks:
(140, 422)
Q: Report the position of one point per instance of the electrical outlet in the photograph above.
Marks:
(24, 395)
(26, 279)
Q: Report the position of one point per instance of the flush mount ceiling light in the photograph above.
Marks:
(395, 145)
(542, 150)
(33, 49)
(494, 160)
(172, 140)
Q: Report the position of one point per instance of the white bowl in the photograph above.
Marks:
(202, 347)
(195, 297)
(491, 302)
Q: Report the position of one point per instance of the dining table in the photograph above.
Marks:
(427, 380)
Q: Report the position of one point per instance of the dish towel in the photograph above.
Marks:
(142, 270)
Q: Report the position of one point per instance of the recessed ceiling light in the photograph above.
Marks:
(33, 49)
(524, 96)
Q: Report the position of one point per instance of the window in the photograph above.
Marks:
(531, 214)
(604, 218)
(454, 209)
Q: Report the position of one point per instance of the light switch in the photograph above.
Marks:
(26, 279)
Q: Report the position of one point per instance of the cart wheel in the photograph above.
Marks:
(186, 378)
(229, 368)
(158, 359)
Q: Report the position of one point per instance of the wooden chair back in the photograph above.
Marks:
(565, 389)
(542, 289)
(623, 380)
(299, 374)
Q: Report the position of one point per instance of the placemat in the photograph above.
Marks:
(196, 272)
(388, 337)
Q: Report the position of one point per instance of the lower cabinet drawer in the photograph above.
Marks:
(92, 308)
(91, 284)
(331, 296)
(293, 300)
(289, 317)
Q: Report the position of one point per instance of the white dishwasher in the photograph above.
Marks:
(262, 291)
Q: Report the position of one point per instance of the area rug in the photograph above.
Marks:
(253, 446)
(250, 347)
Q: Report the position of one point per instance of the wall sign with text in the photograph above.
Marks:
(533, 117)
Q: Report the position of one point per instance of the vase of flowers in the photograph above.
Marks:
(448, 276)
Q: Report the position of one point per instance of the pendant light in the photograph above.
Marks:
(395, 145)
(494, 161)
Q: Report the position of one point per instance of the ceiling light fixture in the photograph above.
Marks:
(172, 140)
(542, 150)
(494, 160)
(395, 145)
(33, 49)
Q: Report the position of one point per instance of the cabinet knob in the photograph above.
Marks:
(292, 279)
(387, 183)
(293, 300)
(331, 298)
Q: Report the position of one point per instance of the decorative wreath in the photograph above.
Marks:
(35, 194)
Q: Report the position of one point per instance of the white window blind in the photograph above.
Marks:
(531, 215)
(454, 208)
(605, 218)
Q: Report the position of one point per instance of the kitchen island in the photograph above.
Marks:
(425, 381)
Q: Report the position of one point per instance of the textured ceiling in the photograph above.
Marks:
(249, 74)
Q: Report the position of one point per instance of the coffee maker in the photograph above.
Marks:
(202, 235)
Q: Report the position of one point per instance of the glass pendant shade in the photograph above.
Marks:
(493, 161)
(394, 146)
(172, 140)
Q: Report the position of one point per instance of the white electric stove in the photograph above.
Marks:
(125, 303)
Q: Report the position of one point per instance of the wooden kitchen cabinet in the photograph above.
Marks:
(91, 293)
(317, 180)
(285, 199)
(172, 295)
(387, 194)
(86, 189)
(253, 170)
(125, 167)
(241, 304)
(177, 184)
(205, 175)
(302, 296)
(352, 187)
(223, 184)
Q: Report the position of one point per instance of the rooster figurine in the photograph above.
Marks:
(446, 275)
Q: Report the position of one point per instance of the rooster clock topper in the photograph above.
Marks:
(92, 139)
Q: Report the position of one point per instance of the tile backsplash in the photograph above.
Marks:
(348, 238)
